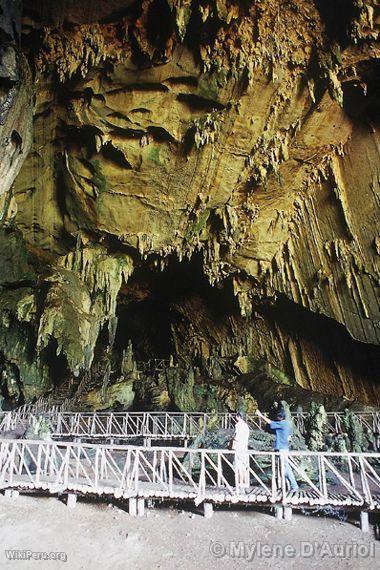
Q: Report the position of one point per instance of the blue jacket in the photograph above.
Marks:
(283, 431)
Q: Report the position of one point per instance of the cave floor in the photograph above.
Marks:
(105, 536)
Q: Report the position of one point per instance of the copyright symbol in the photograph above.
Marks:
(217, 549)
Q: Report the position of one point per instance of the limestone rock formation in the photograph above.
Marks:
(201, 180)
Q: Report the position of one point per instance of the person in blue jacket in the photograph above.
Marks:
(283, 432)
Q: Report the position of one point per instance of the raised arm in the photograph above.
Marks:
(267, 420)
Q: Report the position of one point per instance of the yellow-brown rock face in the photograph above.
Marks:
(204, 182)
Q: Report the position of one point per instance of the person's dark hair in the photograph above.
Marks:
(240, 415)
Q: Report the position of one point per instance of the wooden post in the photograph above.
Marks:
(140, 507)
(170, 470)
(274, 475)
(364, 521)
(288, 513)
(96, 469)
(322, 475)
(279, 512)
(38, 465)
(208, 510)
(71, 500)
(132, 507)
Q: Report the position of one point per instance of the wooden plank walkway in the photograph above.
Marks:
(349, 480)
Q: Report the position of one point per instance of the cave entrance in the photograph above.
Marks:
(149, 305)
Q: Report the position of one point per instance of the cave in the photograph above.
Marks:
(337, 16)
(194, 184)
(148, 305)
(189, 279)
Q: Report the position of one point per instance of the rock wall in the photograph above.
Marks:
(240, 135)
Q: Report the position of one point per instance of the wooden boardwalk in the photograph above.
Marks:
(160, 425)
(346, 481)
(163, 426)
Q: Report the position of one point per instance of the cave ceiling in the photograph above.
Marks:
(136, 136)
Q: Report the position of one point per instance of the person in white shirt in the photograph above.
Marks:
(240, 446)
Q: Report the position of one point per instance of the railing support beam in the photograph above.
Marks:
(140, 507)
(288, 511)
(71, 500)
(132, 506)
(279, 512)
(208, 510)
(364, 521)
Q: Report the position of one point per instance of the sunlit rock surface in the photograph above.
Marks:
(203, 181)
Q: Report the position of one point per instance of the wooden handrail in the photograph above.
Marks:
(339, 479)
(159, 425)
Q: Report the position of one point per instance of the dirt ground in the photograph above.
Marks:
(104, 536)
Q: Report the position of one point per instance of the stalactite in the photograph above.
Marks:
(217, 137)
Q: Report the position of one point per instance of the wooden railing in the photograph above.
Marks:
(130, 425)
(349, 480)
(159, 425)
(368, 420)
(153, 365)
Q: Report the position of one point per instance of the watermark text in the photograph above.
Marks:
(241, 550)
(35, 555)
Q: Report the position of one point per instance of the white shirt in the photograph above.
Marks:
(241, 435)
